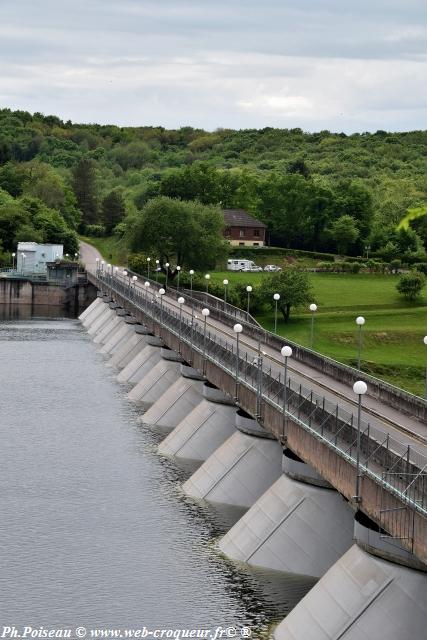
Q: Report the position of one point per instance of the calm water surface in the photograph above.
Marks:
(94, 529)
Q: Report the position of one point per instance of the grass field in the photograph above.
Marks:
(110, 248)
(393, 347)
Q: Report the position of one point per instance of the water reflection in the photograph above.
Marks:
(28, 312)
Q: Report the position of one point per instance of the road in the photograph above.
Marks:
(406, 429)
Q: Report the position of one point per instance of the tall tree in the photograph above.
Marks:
(84, 185)
(344, 233)
(294, 289)
(187, 234)
(113, 209)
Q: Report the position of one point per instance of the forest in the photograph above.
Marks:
(324, 191)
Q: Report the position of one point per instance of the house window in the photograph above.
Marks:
(256, 233)
(256, 244)
(227, 231)
(242, 233)
(241, 244)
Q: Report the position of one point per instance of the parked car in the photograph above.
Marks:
(272, 267)
(242, 265)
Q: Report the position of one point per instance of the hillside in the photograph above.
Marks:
(305, 186)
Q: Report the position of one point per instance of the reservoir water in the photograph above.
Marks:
(94, 529)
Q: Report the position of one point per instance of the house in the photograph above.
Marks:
(32, 257)
(242, 229)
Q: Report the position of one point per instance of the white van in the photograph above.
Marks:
(242, 265)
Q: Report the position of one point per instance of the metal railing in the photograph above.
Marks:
(381, 454)
(229, 314)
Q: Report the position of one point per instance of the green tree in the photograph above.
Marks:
(344, 233)
(113, 209)
(12, 178)
(187, 234)
(294, 288)
(411, 284)
(84, 185)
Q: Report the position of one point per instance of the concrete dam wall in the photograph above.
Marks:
(294, 520)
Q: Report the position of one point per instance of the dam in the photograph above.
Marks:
(362, 546)
(296, 551)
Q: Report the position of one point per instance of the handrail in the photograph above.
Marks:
(312, 404)
(395, 396)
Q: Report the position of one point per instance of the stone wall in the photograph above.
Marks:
(35, 294)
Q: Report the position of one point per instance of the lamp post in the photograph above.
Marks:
(248, 289)
(157, 269)
(13, 260)
(177, 284)
(76, 256)
(313, 309)
(258, 363)
(108, 271)
(148, 267)
(425, 393)
(116, 271)
(192, 300)
(191, 281)
(167, 273)
(134, 279)
(359, 388)
(102, 265)
(205, 313)
(207, 278)
(161, 293)
(367, 249)
(286, 352)
(23, 256)
(225, 283)
(97, 265)
(181, 301)
(237, 330)
(276, 299)
(360, 321)
(147, 286)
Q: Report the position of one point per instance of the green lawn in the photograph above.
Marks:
(393, 346)
(110, 248)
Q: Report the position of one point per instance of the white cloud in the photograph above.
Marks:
(342, 66)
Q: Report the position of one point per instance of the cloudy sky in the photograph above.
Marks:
(343, 65)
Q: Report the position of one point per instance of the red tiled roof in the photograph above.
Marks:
(241, 218)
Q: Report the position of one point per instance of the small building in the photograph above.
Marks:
(32, 257)
(242, 229)
(64, 272)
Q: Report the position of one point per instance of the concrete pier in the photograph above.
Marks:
(298, 526)
(177, 402)
(124, 330)
(92, 312)
(158, 380)
(204, 429)
(102, 336)
(143, 362)
(361, 597)
(100, 321)
(241, 469)
(129, 348)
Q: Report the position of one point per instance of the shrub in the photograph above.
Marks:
(95, 230)
(411, 285)
(420, 266)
